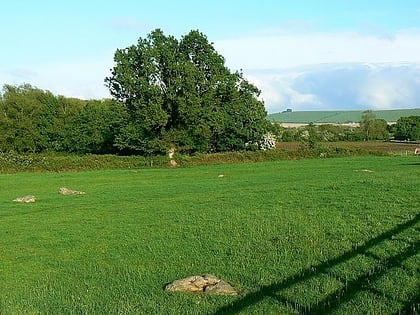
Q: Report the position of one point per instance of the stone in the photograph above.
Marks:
(26, 199)
(66, 191)
(364, 171)
(171, 153)
(221, 287)
(173, 163)
(205, 283)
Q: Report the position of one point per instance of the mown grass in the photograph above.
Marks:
(340, 117)
(303, 236)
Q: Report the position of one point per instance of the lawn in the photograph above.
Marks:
(337, 235)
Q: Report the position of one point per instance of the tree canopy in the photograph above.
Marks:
(372, 127)
(408, 128)
(33, 120)
(180, 93)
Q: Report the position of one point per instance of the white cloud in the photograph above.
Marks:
(348, 86)
(277, 90)
(297, 49)
(73, 78)
(389, 90)
(313, 70)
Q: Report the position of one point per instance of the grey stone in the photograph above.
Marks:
(205, 283)
(173, 164)
(26, 199)
(66, 191)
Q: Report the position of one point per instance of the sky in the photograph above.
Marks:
(303, 55)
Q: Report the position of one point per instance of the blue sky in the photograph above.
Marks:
(282, 46)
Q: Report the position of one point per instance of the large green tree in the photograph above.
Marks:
(180, 93)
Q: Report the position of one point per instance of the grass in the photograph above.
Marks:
(340, 117)
(301, 236)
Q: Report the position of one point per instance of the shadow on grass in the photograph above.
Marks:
(349, 289)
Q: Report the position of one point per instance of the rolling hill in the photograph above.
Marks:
(339, 117)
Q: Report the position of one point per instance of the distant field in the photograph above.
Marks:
(369, 146)
(339, 117)
(325, 236)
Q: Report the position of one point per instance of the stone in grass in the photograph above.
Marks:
(365, 171)
(201, 284)
(26, 199)
(66, 191)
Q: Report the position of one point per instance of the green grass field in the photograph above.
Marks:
(336, 235)
(340, 117)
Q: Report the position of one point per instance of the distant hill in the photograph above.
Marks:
(339, 117)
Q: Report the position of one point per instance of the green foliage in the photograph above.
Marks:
(33, 120)
(13, 162)
(179, 93)
(321, 133)
(23, 119)
(95, 126)
(305, 236)
(370, 129)
(374, 129)
(407, 128)
(310, 137)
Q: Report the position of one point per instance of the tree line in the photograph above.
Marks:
(167, 93)
(369, 128)
(33, 120)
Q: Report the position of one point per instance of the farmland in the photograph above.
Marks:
(383, 147)
(339, 117)
(337, 235)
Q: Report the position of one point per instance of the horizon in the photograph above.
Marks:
(306, 56)
(351, 110)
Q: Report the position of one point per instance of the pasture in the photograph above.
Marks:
(336, 235)
(340, 117)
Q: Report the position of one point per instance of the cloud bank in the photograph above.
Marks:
(347, 86)
(296, 49)
(322, 71)
(72, 78)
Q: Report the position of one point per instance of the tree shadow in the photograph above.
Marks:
(349, 289)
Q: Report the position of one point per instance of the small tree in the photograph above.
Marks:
(373, 129)
(408, 128)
